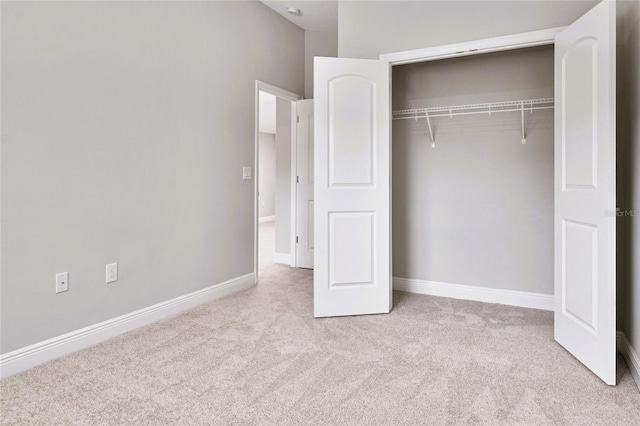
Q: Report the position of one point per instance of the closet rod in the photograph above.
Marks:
(484, 108)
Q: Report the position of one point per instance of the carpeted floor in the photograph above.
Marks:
(259, 357)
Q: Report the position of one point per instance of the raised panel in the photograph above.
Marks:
(310, 225)
(579, 124)
(579, 273)
(351, 113)
(351, 249)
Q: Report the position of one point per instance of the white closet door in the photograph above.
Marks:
(352, 268)
(304, 185)
(585, 191)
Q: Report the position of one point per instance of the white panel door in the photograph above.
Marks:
(585, 191)
(304, 185)
(352, 268)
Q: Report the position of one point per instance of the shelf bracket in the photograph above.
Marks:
(524, 137)
(433, 141)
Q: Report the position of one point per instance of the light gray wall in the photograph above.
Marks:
(628, 179)
(478, 208)
(283, 176)
(317, 43)
(367, 29)
(267, 181)
(125, 126)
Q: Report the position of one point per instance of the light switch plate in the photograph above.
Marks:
(62, 282)
(246, 173)
(112, 272)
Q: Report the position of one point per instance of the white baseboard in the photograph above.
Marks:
(630, 356)
(39, 353)
(284, 258)
(265, 219)
(478, 294)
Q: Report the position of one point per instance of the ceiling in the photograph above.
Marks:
(315, 15)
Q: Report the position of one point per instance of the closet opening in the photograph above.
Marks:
(473, 175)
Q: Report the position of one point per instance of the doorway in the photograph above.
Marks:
(274, 132)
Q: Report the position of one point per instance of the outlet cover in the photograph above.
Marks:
(112, 273)
(246, 173)
(62, 282)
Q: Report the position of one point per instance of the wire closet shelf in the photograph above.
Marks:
(522, 106)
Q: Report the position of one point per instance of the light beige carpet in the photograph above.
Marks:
(259, 357)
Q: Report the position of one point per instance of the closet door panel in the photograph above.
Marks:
(579, 127)
(585, 191)
(351, 249)
(352, 264)
(579, 274)
(351, 131)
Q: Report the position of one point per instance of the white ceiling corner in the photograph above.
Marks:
(315, 15)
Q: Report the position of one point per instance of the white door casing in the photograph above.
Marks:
(304, 184)
(585, 190)
(352, 267)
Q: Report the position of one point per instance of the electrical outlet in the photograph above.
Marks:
(246, 173)
(112, 272)
(62, 282)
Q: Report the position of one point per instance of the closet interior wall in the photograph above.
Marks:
(476, 209)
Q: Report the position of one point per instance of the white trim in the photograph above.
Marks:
(39, 353)
(294, 185)
(256, 188)
(284, 258)
(479, 294)
(630, 356)
(474, 47)
(265, 219)
(275, 90)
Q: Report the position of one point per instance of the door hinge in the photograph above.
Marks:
(297, 118)
(297, 179)
(296, 239)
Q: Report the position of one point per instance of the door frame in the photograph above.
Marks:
(295, 117)
(474, 47)
(261, 86)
